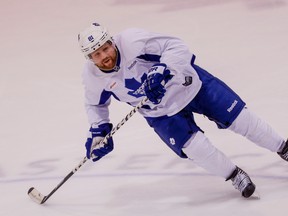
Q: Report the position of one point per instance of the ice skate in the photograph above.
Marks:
(242, 182)
(284, 153)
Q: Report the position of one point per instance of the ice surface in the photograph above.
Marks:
(43, 124)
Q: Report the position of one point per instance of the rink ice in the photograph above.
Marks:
(43, 124)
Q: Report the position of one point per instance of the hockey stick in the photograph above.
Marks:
(39, 198)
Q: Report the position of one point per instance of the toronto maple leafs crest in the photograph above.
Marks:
(137, 88)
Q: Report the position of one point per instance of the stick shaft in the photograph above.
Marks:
(104, 141)
(65, 179)
(122, 122)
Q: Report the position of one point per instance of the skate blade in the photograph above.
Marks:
(255, 196)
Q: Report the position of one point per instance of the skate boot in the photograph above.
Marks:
(284, 153)
(242, 182)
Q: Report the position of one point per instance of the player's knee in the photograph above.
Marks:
(198, 148)
(246, 124)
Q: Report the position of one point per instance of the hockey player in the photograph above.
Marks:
(136, 63)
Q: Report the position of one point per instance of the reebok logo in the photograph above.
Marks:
(132, 65)
(232, 106)
(112, 85)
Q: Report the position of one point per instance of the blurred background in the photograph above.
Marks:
(43, 123)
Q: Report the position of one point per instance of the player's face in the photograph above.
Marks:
(105, 57)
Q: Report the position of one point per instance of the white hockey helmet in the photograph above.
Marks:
(92, 38)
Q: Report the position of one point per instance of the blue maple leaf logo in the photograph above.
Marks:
(135, 86)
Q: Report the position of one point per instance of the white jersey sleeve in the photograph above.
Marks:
(96, 100)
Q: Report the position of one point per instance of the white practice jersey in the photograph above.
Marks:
(138, 50)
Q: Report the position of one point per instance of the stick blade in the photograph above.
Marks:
(35, 195)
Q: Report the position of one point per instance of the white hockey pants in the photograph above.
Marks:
(201, 151)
